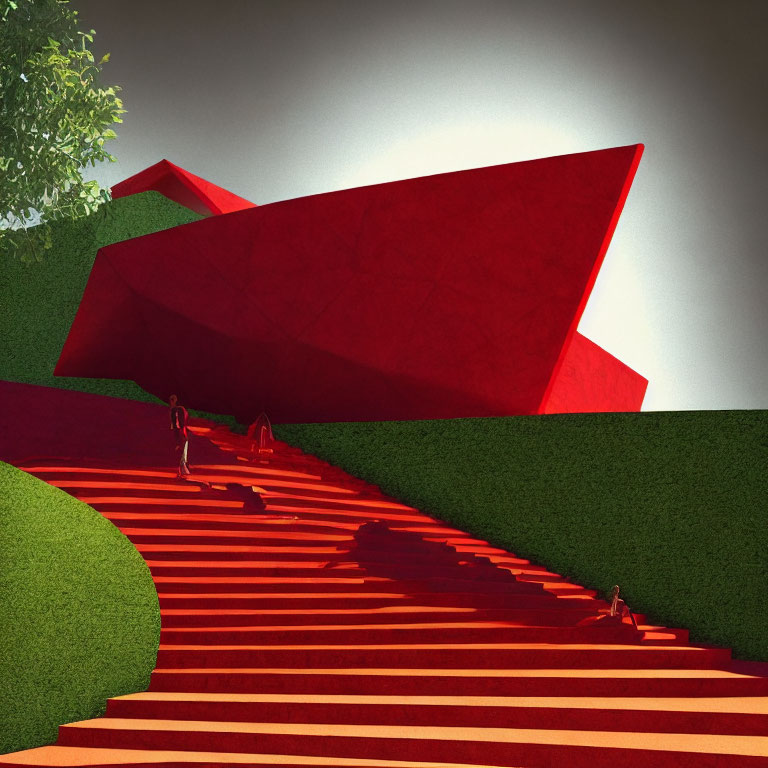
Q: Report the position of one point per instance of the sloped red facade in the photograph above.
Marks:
(592, 381)
(438, 297)
(183, 187)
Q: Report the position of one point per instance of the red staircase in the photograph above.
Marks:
(333, 626)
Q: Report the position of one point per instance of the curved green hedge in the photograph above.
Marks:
(670, 506)
(78, 609)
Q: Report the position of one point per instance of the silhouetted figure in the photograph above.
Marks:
(179, 417)
(619, 608)
(260, 435)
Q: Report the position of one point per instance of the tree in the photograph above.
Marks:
(54, 120)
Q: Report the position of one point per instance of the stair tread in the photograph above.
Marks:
(738, 704)
(683, 742)
(63, 756)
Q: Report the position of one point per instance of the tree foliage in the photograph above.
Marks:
(54, 120)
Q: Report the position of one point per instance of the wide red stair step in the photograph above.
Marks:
(644, 682)
(229, 522)
(744, 715)
(179, 617)
(365, 594)
(96, 757)
(247, 568)
(336, 582)
(443, 632)
(478, 745)
(197, 551)
(444, 656)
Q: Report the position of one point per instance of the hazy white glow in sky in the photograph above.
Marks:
(300, 97)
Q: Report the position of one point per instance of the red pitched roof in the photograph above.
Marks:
(183, 187)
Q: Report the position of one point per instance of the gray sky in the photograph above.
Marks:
(280, 99)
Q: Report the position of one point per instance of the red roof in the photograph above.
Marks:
(183, 187)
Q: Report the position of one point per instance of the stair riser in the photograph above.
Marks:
(294, 573)
(224, 538)
(403, 685)
(442, 658)
(402, 573)
(281, 584)
(535, 618)
(253, 601)
(395, 749)
(300, 636)
(226, 525)
(341, 583)
(439, 715)
(253, 554)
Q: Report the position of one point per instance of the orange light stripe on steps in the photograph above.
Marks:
(234, 548)
(757, 705)
(696, 743)
(220, 517)
(424, 626)
(256, 580)
(220, 532)
(119, 484)
(607, 648)
(160, 502)
(355, 502)
(91, 757)
(312, 611)
(303, 564)
(249, 518)
(100, 471)
(267, 482)
(295, 519)
(282, 595)
(240, 470)
(642, 673)
(368, 514)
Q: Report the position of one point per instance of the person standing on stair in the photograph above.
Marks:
(179, 426)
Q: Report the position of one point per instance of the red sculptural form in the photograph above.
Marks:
(444, 296)
(183, 187)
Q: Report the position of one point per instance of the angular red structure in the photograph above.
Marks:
(592, 381)
(183, 187)
(438, 297)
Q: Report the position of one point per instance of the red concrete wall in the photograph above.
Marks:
(591, 380)
(444, 296)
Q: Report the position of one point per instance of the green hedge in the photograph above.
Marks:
(40, 300)
(670, 506)
(78, 609)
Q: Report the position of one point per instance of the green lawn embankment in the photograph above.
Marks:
(40, 300)
(78, 609)
(670, 506)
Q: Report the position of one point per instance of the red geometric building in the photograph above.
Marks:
(184, 187)
(445, 296)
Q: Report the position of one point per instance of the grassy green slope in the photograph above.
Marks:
(78, 608)
(40, 299)
(670, 506)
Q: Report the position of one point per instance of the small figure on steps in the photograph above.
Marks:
(620, 608)
(179, 426)
(260, 435)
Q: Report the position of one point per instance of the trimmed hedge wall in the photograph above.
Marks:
(670, 506)
(40, 300)
(78, 608)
